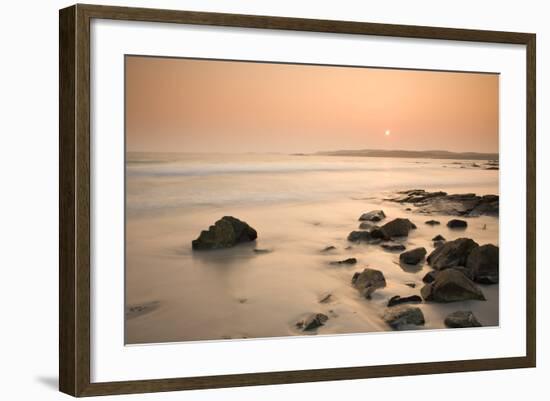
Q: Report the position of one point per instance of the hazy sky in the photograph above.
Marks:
(180, 105)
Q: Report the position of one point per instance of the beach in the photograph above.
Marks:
(299, 205)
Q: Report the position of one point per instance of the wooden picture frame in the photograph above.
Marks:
(74, 199)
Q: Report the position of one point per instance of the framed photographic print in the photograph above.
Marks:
(251, 200)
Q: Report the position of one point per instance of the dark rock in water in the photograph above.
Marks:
(432, 222)
(483, 263)
(461, 319)
(396, 300)
(393, 247)
(368, 281)
(491, 168)
(328, 248)
(451, 254)
(413, 256)
(360, 236)
(430, 276)
(397, 228)
(454, 204)
(437, 244)
(259, 250)
(225, 233)
(133, 311)
(326, 298)
(408, 209)
(374, 215)
(313, 321)
(438, 237)
(367, 225)
(348, 261)
(451, 285)
(403, 316)
(410, 284)
(455, 223)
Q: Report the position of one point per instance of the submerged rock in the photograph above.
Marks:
(451, 285)
(461, 319)
(225, 233)
(368, 281)
(367, 225)
(456, 223)
(403, 316)
(483, 264)
(432, 223)
(413, 256)
(451, 253)
(396, 300)
(374, 215)
(360, 236)
(438, 237)
(348, 261)
(328, 248)
(397, 228)
(393, 247)
(312, 322)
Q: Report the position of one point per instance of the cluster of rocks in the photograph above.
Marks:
(440, 202)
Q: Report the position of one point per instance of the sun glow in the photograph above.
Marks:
(387, 133)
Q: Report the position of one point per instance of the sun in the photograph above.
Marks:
(387, 132)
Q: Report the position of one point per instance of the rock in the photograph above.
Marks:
(403, 316)
(397, 228)
(430, 276)
(451, 204)
(413, 256)
(410, 284)
(258, 250)
(408, 209)
(461, 319)
(393, 247)
(368, 281)
(456, 223)
(328, 248)
(438, 237)
(360, 236)
(225, 233)
(348, 261)
(367, 225)
(451, 253)
(325, 298)
(133, 311)
(451, 285)
(483, 263)
(313, 321)
(396, 300)
(437, 244)
(432, 223)
(374, 215)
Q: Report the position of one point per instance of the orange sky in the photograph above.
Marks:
(180, 105)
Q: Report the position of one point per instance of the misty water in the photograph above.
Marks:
(298, 205)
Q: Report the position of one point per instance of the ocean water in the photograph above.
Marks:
(298, 204)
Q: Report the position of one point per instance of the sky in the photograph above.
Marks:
(190, 105)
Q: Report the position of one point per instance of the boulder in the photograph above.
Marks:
(225, 233)
(368, 281)
(397, 228)
(430, 276)
(397, 300)
(432, 222)
(456, 223)
(451, 253)
(348, 261)
(374, 215)
(483, 264)
(413, 256)
(438, 237)
(461, 319)
(437, 244)
(367, 225)
(451, 285)
(403, 316)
